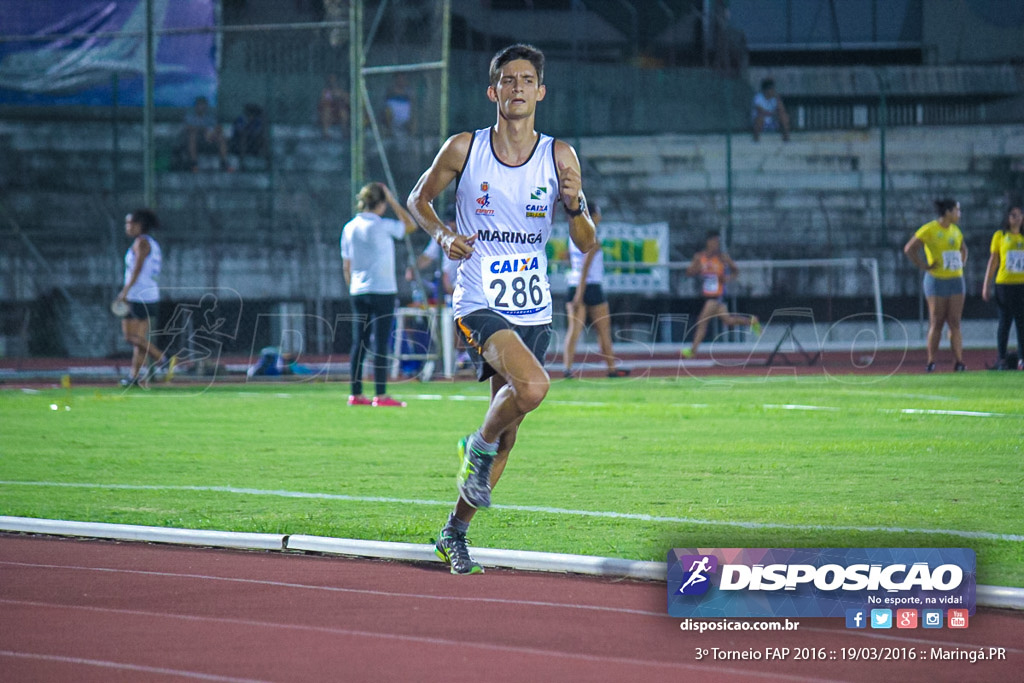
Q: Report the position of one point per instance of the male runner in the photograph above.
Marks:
(509, 179)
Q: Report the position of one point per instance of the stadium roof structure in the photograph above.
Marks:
(540, 25)
(922, 81)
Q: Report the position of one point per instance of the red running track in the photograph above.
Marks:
(75, 610)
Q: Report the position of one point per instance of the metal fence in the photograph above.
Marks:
(257, 228)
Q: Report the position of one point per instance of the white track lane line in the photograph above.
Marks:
(121, 666)
(339, 589)
(444, 642)
(445, 598)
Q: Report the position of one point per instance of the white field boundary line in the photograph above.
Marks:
(604, 404)
(636, 516)
(764, 406)
(1003, 597)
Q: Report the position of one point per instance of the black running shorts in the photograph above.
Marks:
(593, 295)
(478, 326)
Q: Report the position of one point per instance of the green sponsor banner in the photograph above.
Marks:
(630, 253)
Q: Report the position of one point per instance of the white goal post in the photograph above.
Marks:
(856, 277)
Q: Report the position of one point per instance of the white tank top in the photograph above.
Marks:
(145, 288)
(576, 258)
(510, 208)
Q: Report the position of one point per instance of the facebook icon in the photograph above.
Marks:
(856, 618)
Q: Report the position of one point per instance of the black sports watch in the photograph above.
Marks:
(577, 212)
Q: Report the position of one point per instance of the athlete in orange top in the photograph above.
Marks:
(715, 268)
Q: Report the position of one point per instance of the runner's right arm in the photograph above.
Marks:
(448, 163)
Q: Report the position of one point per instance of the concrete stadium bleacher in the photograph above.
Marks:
(267, 229)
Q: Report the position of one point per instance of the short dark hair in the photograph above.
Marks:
(518, 51)
(712, 234)
(146, 218)
(767, 84)
(944, 205)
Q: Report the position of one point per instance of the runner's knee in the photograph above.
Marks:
(531, 390)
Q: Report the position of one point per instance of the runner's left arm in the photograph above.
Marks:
(570, 188)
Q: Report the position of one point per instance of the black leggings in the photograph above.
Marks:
(1010, 299)
(373, 313)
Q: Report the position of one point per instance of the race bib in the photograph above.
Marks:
(516, 284)
(1015, 261)
(951, 260)
(711, 285)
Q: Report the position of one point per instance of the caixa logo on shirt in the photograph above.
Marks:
(515, 265)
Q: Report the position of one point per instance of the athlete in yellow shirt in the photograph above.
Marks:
(1006, 264)
(943, 268)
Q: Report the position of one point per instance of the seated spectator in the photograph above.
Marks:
(204, 134)
(249, 133)
(333, 107)
(768, 112)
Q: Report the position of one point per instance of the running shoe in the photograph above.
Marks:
(128, 382)
(387, 402)
(452, 548)
(959, 367)
(755, 327)
(619, 372)
(164, 367)
(359, 400)
(930, 367)
(474, 477)
(687, 353)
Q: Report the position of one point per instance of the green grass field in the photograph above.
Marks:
(605, 467)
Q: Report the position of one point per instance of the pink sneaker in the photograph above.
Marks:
(359, 400)
(387, 402)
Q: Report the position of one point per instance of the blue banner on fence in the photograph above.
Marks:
(77, 53)
(817, 582)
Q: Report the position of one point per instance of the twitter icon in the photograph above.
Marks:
(881, 618)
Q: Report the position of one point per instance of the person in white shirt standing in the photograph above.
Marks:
(368, 254)
(141, 293)
(509, 181)
(586, 297)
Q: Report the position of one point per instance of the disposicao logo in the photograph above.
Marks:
(696, 581)
(818, 582)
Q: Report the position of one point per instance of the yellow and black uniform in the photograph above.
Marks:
(1010, 247)
(1009, 289)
